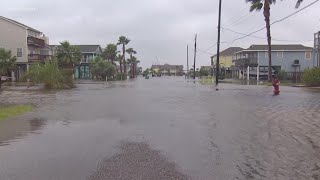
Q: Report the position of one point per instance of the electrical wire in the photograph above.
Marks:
(280, 20)
(265, 38)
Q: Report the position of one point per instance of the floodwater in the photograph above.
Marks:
(162, 128)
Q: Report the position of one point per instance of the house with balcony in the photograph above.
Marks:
(226, 59)
(89, 52)
(291, 58)
(26, 43)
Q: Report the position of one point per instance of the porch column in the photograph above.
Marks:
(28, 80)
(248, 73)
(13, 76)
(258, 74)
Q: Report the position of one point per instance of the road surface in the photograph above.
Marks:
(162, 128)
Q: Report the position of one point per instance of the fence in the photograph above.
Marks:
(294, 76)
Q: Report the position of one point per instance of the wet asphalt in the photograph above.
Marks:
(162, 128)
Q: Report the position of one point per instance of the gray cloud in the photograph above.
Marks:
(159, 28)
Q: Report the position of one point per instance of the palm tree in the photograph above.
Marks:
(265, 4)
(68, 55)
(110, 52)
(131, 52)
(133, 62)
(7, 63)
(119, 58)
(123, 41)
(133, 59)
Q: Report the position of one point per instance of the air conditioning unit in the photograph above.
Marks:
(296, 62)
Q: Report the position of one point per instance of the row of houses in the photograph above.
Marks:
(30, 46)
(291, 58)
(168, 70)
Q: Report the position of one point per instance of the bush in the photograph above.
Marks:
(50, 75)
(282, 75)
(311, 77)
(221, 77)
(102, 69)
(121, 76)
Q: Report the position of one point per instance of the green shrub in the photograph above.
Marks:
(50, 75)
(282, 75)
(221, 77)
(311, 77)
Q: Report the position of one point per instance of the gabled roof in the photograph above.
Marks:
(19, 24)
(84, 48)
(88, 48)
(279, 47)
(230, 51)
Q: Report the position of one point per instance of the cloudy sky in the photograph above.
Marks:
(160, 29)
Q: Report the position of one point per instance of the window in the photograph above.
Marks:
(280, 54)
(308, 55)
(19, 52)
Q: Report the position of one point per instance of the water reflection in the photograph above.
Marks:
(14, 129)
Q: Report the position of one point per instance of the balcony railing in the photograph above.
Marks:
(252, 62)
(35, 41)
(38, 57)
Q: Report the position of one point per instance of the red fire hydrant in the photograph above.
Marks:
(276, 84)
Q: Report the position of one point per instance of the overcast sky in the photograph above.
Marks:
(161, 29)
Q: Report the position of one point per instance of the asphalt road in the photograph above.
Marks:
(162, 128)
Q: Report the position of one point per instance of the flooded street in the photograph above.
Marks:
(162, 128)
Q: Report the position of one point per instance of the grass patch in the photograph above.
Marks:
(206, 81)
(15, 110)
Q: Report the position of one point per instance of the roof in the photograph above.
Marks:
(84, 48)
(278, 47)
(230, 51)
(88, 48)
(19, 24)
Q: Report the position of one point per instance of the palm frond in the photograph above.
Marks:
(298, 3)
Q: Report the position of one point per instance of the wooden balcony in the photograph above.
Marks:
(38, 57)
(32, 41)
(244, 62)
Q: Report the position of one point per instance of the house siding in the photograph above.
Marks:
(12, 37)
(287, 60)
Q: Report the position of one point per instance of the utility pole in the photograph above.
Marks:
(195, 55)
(218, 46)
(187, 61)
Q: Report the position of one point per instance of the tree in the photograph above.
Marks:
(7, 63)
(265, 4)
(204, 72)
(110, 52)
(123, 41)
(133, 62)
(102, 69)
(68, 55)
(131, 52)
(119, 59)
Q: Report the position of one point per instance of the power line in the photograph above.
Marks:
(263, 37)
(244, 9)
(238, 23)
(205, 52)
(280, 20)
